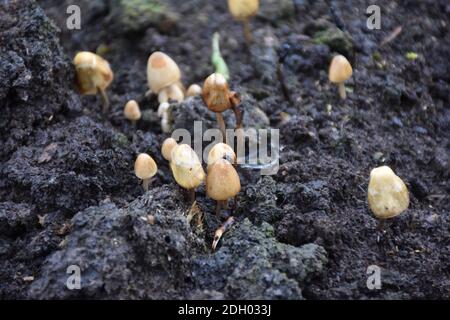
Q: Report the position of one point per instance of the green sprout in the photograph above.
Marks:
(217, 59)
(412, 56)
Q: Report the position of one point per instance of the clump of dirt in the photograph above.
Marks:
(68, 194)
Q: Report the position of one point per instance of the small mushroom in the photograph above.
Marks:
(132, 111)
(194, 90)
(145, 168)
(94, 75)
(340, 71)
(162, 72)
(218, 98)
(222, 182)
(186, 168)
(221, 151)
(244, 10)
(387, 193)
(167, 147)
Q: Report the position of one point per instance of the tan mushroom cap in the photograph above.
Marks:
(387, 193)
(194, 90)
(93, 72)
(222, 181)
(162, 71)
(243, 9)
(186, 167)
(145, 167)
(132, 111)
(221, 151)
(216, 93)
(340, 69)
(167, 147)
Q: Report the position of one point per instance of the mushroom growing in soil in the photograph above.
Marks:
(186, 166)
(244, 10)
(132, 111)
(194, 90)
(222, 183)
(218, 98)
(387, 194)
(145, 168)
(168, 145)
(94, 75)
(163, 76)
(221, 151)
(339, 72)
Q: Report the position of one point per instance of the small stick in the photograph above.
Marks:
(221, 231)
(394, 34)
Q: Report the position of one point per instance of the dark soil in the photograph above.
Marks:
(68, 194)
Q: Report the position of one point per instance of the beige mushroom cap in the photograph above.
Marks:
(221, 151)
(93, 72)
(222, 181)
(162, 71)
(194, 90)
(145, 167)
(216, 93)
(340, 69)
(186, 167)
(243, 9)
(132, 111)
(387, 193)
(167, 147)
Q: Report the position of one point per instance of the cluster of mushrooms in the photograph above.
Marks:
(387, 193)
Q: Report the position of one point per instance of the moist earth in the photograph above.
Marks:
(68, 194)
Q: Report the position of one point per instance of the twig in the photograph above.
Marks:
(391, 37)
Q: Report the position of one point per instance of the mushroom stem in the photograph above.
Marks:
(105, 100)
(219, 205)
(146, 183)
(247, 32)
(381, 223)
(222, 126)
(192, 195)
(235, 204)
(342, 92)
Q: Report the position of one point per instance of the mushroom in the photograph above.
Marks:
(163, 76)
(221, 151)
(222, 183)
(194, 90)
(168, 145)
(218, 98)
(387, 194)
(340, 71)
(186, 168)
(145, 168)
(243, 10)
(94, 75)
(132, 111)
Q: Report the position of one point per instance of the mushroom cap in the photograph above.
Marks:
(340, 69)
(221, 151)
(93, 72)
(194, 90)
(387, 194)
(216, 93)
(162, 71)
(167, 147)
(222, 181)
(186, 167)
(132, 111)
(243, 9)
(145, 167)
